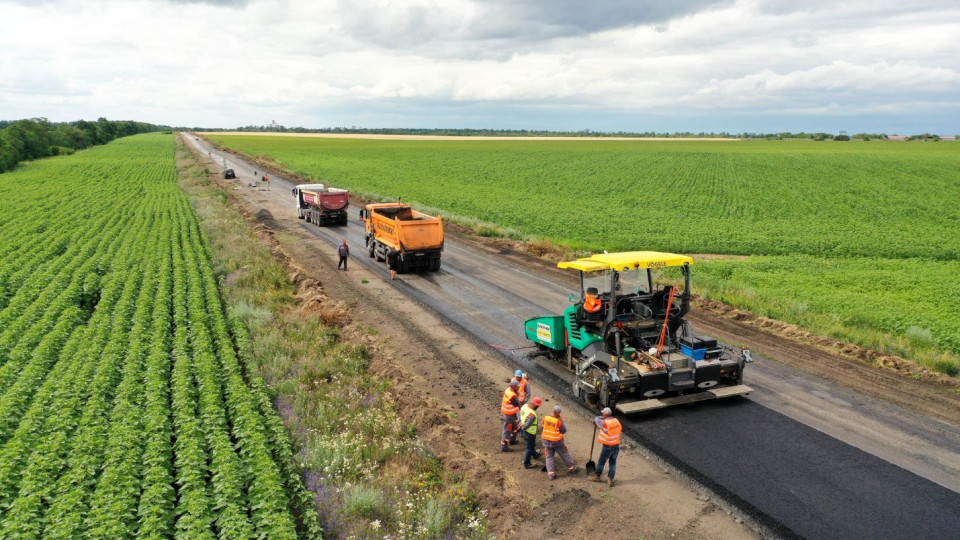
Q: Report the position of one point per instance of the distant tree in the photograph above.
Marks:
(36, 138)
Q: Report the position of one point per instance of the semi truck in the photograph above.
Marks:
(417, 237)
(322, 205)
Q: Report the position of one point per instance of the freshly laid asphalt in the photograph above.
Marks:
(808, 483)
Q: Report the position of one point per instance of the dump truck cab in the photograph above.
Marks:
(301, 204)
(628, 341)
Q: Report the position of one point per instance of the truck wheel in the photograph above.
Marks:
(435, 265)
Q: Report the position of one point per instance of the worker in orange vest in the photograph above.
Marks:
(591, 301)
(552, 435)
(608, 435)
(509, 411)
(524, 392)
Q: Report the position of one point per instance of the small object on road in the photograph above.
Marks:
(229, 174)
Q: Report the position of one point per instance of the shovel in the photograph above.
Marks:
(592, 465)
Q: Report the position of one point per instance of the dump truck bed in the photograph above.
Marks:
(403, 228)
(328, 199)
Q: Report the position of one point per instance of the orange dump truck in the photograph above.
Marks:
(416, 236)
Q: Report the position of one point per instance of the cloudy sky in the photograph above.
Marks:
(876, 66)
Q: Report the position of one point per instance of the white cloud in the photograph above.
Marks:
(229, 63)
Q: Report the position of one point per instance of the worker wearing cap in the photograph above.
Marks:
(509, 409)
(524, 392)
(528, 428)
(553, 430)
(608, 435)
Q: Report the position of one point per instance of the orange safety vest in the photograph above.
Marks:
(506, 407)
(522, 393)
(592, 304)
(551, 429)
(612, 436)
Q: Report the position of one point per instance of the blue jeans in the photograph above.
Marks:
(611, 453)
(531, 440)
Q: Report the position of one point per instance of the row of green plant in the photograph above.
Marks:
(860, 206)
(370, 475)
(126, 411)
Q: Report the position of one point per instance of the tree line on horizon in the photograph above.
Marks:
(471, 132)
(35, 138)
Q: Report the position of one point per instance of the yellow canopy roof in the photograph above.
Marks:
(627, 260)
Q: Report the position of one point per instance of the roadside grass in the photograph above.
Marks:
(370, 475)
(862, 301)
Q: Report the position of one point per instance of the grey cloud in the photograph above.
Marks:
(222, 3)
(577, 17)
(498, 28)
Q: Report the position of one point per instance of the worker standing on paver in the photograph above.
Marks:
(608, 434)
(528, 429)
(553, 430)
(524, 392)
(509, 410)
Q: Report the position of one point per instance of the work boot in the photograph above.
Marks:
(610, 482)
(504, 448)
(596, 478)
(572, 470)
(552, 475)
(528, 465)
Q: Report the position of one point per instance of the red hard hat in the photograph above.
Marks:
(537, 402)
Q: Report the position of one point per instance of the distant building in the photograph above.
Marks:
(896, 137)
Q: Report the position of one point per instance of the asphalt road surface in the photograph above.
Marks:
(802, 456)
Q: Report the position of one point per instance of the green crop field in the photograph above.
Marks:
(124, 410)
(855, 240)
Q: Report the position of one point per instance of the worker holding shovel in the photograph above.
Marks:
(608, 431)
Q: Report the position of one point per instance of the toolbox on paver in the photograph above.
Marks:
(696, 347)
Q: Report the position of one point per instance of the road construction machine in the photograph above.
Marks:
(417, 237)
(627, 339)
